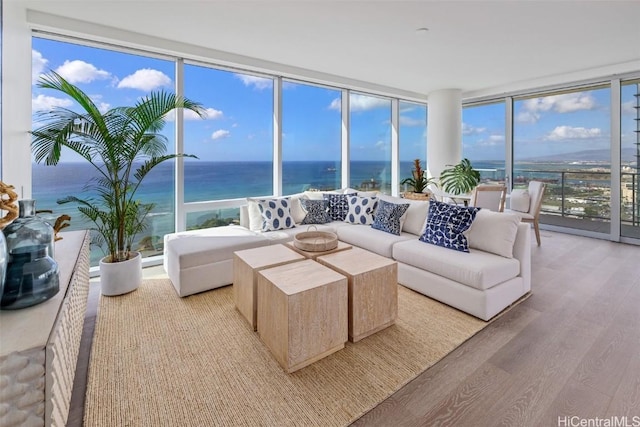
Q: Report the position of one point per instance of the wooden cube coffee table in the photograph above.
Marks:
(246, 264)
(373, 289)
(302, 312)
(313, 255)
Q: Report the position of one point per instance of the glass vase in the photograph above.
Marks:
(32, 273)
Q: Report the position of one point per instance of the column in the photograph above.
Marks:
(444, 130)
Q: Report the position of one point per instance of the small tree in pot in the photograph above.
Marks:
(123, 145)
(418, 180)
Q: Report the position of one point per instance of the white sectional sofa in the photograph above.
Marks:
(482, 282)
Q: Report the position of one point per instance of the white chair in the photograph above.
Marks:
(536, 191)
(490, 197)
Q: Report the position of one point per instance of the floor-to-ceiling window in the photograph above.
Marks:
(630, 159)
(412, 137)
(234, 145)
(311, 137)
(370, 142)
(111, 79)
(563, 139)
(483, 139)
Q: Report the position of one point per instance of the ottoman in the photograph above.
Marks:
(200, 260)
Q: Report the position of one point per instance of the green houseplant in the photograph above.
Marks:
(123, 145)
(459, 179)
(418, 179)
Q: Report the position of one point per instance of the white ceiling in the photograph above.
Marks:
(477, 46)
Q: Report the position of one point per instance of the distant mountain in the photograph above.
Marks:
(628, 155)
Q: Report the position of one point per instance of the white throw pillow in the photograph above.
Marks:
(276, 214)
(494, 232)
(416, 219)
(520, 200)
(361, 210)
(255, 218)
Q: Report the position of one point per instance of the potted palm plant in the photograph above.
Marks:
(123, 145)
(459, 179)
(419, 182)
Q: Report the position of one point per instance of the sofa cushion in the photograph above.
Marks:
(477, 269)
(316, 211)
(446, 224)
(388, 217)
(211, 245)
(361, 210)
(338, 205)
(494, 232)
(519, 200)
(276, 214)
(371, 239)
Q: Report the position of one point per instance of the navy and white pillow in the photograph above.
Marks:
(317, 211)
(338, 205)
(361, 210)
(276, 214)
(446, 224)
(387, 217)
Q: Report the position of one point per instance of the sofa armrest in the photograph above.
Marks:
(522, 252)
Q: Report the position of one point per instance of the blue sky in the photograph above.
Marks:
(239, 124)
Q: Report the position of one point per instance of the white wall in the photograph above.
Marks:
(16, 98)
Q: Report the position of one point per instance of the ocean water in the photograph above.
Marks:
(226, 180)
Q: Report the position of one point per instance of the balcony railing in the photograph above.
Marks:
(579, 195)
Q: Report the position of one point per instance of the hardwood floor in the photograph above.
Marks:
(571, 349)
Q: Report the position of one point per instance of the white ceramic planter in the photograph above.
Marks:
(117, 278)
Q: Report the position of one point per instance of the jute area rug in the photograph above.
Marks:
(161, 360)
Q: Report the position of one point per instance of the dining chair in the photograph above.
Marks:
(536, 192)
(490, 197)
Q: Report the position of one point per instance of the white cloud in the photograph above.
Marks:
(569, 132)
(492, 141)
(381, 145)
(145, 79)
(360, 103)
(220, 133)
(38, 63)
(410, 121)
(103, 107)
(627, 107)
(470, 130)
(533, 108)
(259, 83)
(210, 114)
(43, 102)
(81, 72)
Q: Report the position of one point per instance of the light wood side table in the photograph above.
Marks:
(373, 289)
(246, 264)
(302, 312)
(313, 255)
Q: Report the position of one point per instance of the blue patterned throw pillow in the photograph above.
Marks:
(387, 217)
(276, 214)
(446, 223)
(338, 205)
(317, 211)
(361, 210)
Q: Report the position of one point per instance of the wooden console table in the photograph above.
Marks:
(39, 345)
